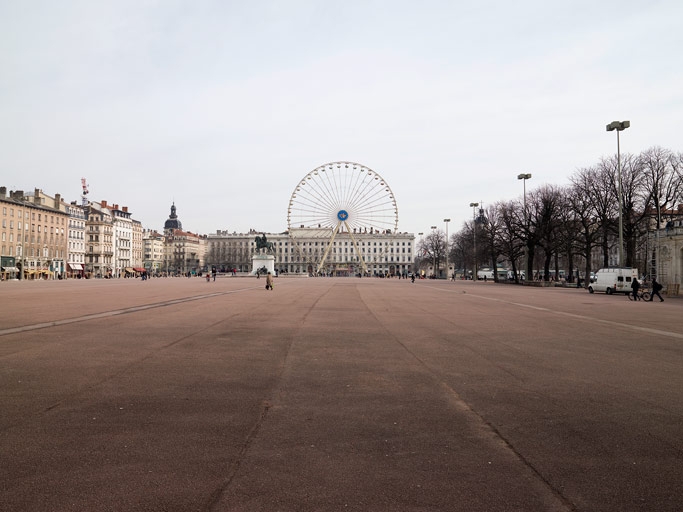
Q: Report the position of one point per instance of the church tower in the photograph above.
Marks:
(172, 223)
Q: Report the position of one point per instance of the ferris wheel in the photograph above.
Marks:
(342, 197)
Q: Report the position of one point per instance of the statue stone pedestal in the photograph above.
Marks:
(261, 261)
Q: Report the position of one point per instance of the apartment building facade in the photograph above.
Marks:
(76, 240)
(33, 235)
(153, 251)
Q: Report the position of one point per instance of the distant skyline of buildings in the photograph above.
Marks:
(45, 237)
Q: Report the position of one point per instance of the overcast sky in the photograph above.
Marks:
(223, 106)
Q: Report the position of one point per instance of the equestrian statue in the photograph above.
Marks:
(263, 243)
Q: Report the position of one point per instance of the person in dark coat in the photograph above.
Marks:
(635, 286)
(656, 288)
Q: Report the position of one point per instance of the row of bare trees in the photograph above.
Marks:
(569, 223)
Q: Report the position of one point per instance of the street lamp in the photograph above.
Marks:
(447, 221)
(474, 231)
(525, 177)
(659, 223)
(619, 126)
(433, 253)
(422, 248)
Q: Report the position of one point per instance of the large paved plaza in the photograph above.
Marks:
(336, 394)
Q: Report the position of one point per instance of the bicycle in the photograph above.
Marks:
(641, 295)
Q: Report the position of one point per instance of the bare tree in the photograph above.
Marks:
(531, 226)
(662, 183)
(604, 202)
(433, 248)
(568, 229)
(662, 186)
(633, 206)
(461, 248)
(586, 212)
(473, 236)
(677, 169)
(546, 202)
(509, 240)
(490, 226)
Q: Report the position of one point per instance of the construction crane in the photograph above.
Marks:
(84, 194)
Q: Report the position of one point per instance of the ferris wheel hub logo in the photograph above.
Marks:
(342, 215)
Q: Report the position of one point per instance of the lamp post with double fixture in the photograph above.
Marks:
(474, 237)
(433, 251)
(447, 221)
(525, 177)
(619, 126)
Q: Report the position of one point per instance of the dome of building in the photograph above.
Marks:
(172, 222)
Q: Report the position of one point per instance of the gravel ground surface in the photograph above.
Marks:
(337, 394)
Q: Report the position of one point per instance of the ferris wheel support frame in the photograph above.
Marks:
(353, 240)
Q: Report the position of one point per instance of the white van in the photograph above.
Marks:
(511, 275)
(485, 274)
(613, 280)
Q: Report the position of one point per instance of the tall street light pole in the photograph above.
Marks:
(433, 253)
(619, 126)
(447, 221)
(525, 177)
(659, 223)
(474, 231)
(422, 248)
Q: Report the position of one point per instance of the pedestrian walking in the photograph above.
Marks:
(635, 286)
(656, 288)
(269, 281)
